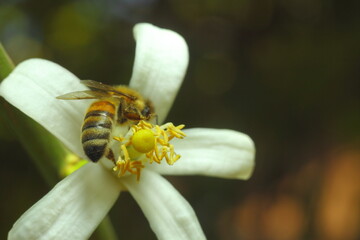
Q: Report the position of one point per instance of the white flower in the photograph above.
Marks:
(78, 203)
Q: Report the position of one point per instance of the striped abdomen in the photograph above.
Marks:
(96, 130)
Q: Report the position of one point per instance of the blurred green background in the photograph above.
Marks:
(284, 72)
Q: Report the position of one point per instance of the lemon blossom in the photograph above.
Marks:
(78, 203)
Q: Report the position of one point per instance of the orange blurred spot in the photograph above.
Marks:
(284, 219)
(261, 217)
(338, 211)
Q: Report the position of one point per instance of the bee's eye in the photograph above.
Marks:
(146, 111)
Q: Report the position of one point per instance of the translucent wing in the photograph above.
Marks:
(98, 85)
(87, 94)
(94, 85)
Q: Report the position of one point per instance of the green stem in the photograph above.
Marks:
(39, 143)
(6, 64)
(46, 151)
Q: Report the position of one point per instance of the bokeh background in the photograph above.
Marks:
(284, 72)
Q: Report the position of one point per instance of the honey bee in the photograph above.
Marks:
(115, 106)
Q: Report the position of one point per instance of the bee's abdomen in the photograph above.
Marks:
(96, 130)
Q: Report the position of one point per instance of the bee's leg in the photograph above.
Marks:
(110, 155)
(120, 112)
(153, 116)
(156, 119)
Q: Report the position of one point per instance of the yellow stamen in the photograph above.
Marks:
(147, 143)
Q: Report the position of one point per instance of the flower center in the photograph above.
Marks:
(147, 143)
(143, 140)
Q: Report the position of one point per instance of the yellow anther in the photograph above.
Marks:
(120, 139)
(124, 165)
(175, 131)
(143, 140)
(141, 125)
(125, 152)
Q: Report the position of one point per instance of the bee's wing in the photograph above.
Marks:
(103, 87)
(98, 85)
(87, 94)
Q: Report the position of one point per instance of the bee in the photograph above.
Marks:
(115, 106)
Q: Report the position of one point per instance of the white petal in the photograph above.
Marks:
(169, 214)
(212, 152)
(33, 87)
(72, 210)
(161, 60)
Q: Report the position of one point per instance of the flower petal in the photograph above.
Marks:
(72, 209)
(169, 214)
(161, 61)
(212, 152)
(33, 87)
